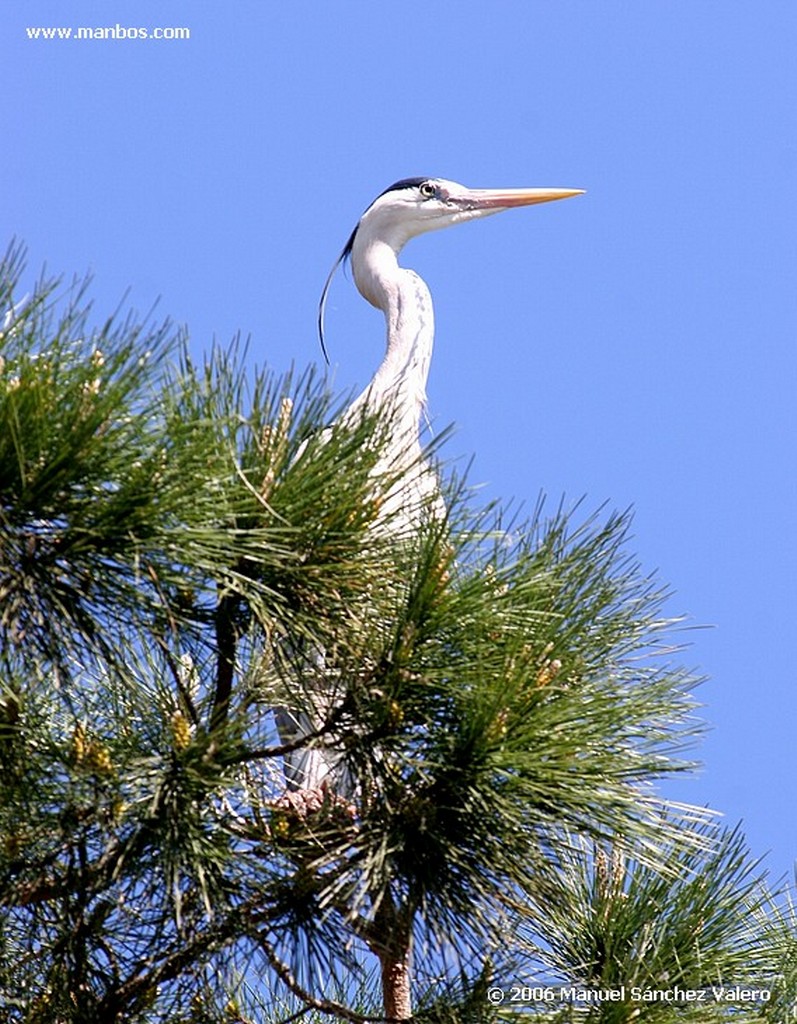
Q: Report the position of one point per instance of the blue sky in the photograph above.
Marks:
(635, 345)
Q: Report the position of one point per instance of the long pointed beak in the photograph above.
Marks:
(506, 198)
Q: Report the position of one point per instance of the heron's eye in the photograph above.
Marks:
(427, 190)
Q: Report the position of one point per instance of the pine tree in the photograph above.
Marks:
(173, 536)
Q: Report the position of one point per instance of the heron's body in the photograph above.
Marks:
(408, 208)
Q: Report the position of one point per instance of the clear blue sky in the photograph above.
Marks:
(636, 345)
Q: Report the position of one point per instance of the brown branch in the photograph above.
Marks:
(226, 642)
(126, 997)
(277, 749)
(49, 884)
(311, 1002)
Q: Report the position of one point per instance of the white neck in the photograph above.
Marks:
(407, 304)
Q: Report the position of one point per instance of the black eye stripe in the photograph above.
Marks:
(397, 186)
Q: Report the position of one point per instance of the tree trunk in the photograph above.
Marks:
(390, 939)
(396, 997)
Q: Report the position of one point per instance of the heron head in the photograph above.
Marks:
(414, 206)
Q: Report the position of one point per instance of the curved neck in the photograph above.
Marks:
(407, 304)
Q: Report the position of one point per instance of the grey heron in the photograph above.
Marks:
(407, 208)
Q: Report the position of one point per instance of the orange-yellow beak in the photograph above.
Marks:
(506, 198)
